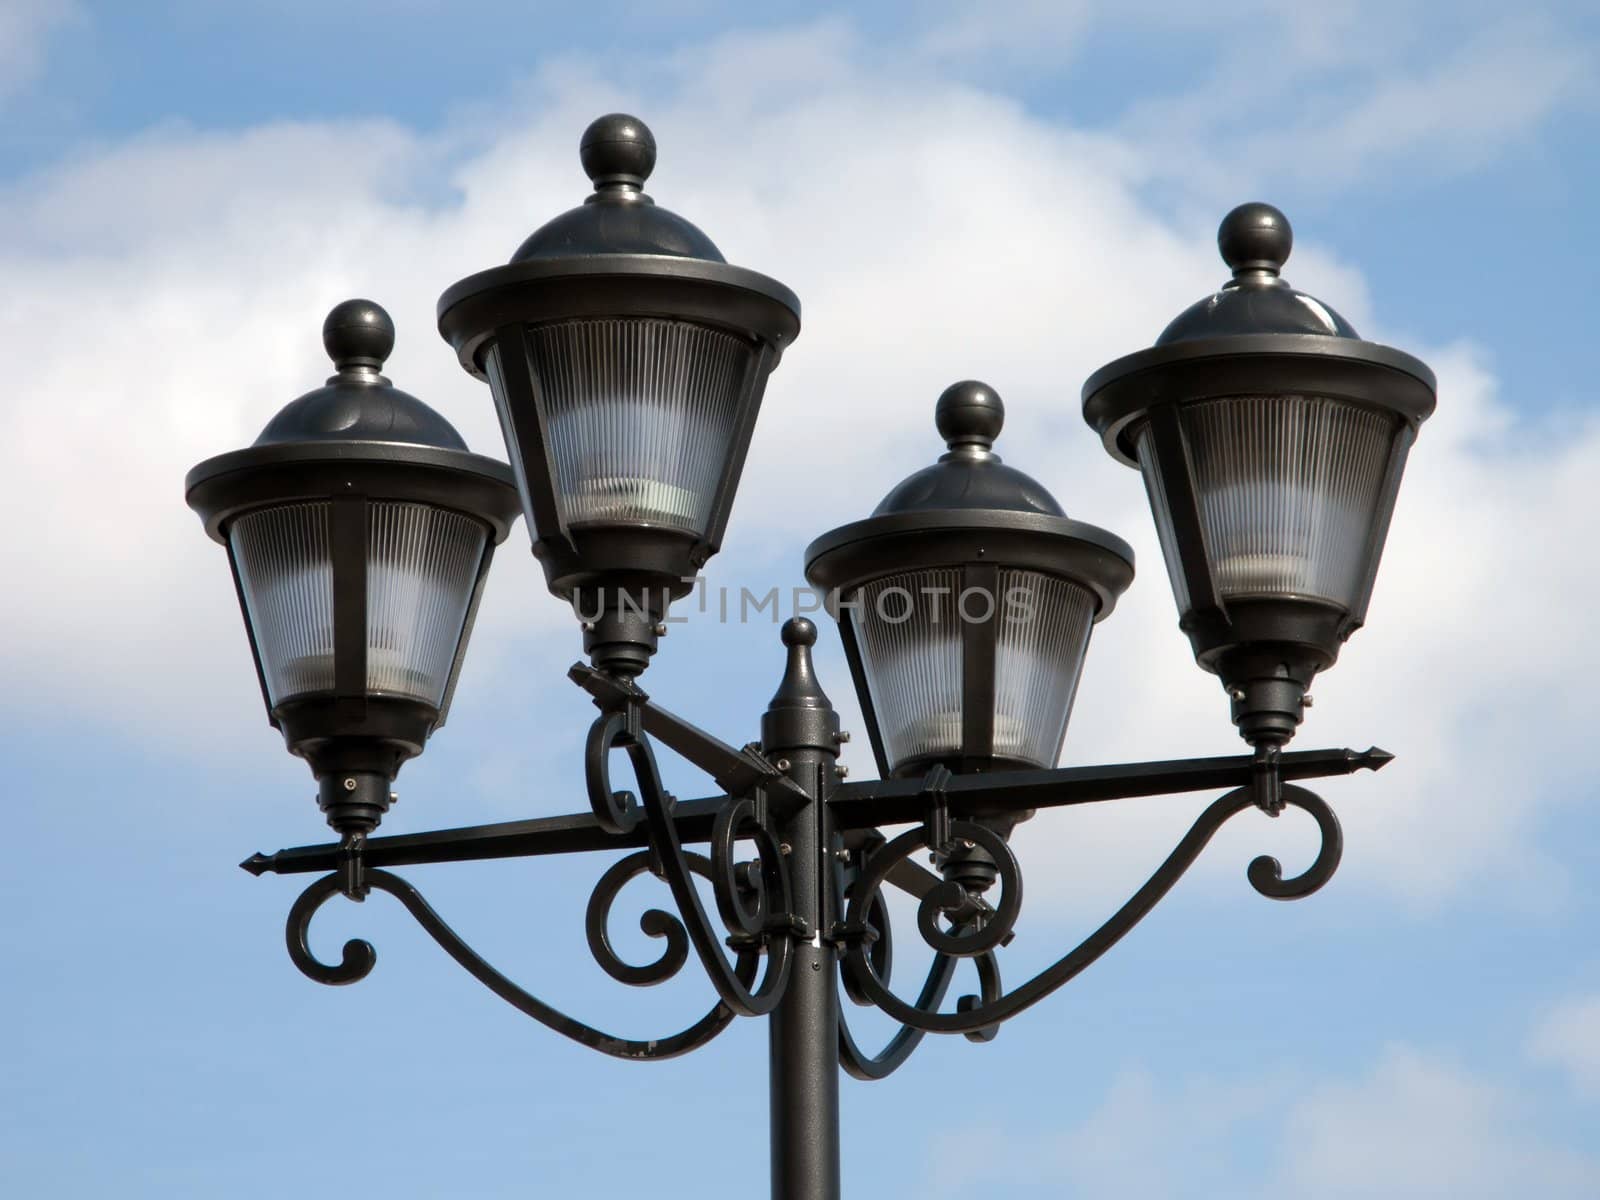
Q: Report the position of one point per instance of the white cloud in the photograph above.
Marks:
(1412, 1125)
(1032, 33)
(164, 300)
(1459, 115)
(1568, 1038)
(26, 27)
(1420, 1127)
(1330, 96)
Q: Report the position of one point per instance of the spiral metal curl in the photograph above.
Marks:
(765, 927)
(860, 1065)
(879, 936)
(970, 935)
(359, 957)
(616, 812)
(654, 922)
(979, 1016)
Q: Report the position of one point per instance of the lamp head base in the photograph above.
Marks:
(621, 626)
(1267, 688)
(1266, 652)
(620, 581)
(355, 801)
(361, 739)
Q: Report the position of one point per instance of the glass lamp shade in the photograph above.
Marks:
(966, 602)
(421, 572)
(1292, 494)
(640, 417)
(912, 632)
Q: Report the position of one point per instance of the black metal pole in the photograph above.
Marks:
(800, 733)
(803, 1039)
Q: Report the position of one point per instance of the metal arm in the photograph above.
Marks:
(754, 898)
(856, 806)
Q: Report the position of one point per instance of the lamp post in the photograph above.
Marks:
(627, 361)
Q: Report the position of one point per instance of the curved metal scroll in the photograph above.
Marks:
(855, 1061)
(860, 1065)
(358, 959)
(977, 939)
(654, 922)
(761, 924)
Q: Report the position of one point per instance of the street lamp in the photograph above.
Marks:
(360, 532)
(965, 604)
(627, 361)
(1272, 440)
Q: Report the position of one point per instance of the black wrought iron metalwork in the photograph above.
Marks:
(359, 958)
(754, 899)
(979, 937)
(573, 336)
(860, 1065)
(786, 807)
(754, 903)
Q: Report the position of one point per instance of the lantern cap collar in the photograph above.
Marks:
(358, 434)
(970, 475)
(1254, 240)
(358, 403)
(971, 509)
(618, 152)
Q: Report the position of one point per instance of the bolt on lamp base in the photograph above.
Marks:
(1267, 687)
(354, 801)
(621, 628)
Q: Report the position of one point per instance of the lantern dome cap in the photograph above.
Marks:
(1254, 240)
(357, 432)
(1256, 336)
(970, 475)
(617, 256)
(969, 507)
(618, 152)
(358, 402)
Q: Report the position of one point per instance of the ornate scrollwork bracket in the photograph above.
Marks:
(967, 910)
(753, 899)
(978, 937)
(358, 958)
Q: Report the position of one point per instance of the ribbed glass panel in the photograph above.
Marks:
(909, 634)
(1043, 629)
(1289, 489)
(519, 464)
(641, 415)
(422, 564)
(286, 573)
(1155, 486)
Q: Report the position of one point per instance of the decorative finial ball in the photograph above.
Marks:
(797, 631)
(969, 413)
(358, 333)
(617, 148)
(1255, 237)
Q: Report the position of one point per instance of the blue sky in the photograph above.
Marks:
(1017, 193)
